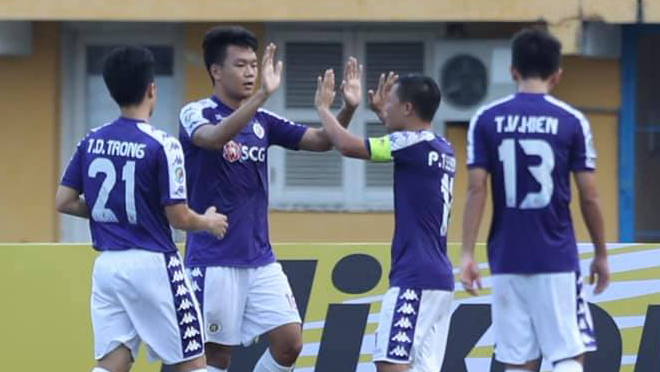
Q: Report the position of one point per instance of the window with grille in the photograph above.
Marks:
(328, 180)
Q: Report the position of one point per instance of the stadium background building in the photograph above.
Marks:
(52, 93)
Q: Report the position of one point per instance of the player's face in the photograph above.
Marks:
(238, 73)
(395, 111)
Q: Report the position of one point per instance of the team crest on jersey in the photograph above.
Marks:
(231, 151)
(214, 328)
(258, 130)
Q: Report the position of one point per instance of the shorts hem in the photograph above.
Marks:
(573, 355)
(168, 363)
(515, 362)
(250, 340)
(389, 360)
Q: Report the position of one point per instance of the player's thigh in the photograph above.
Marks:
(561, 316)
(429, 344)
(515, 337)
(111, 324)
(270, 303)
(195, 364)
(222, 294)
(159, 300)
(391, 367)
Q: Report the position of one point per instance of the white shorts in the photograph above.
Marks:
(540, 314)
(413, 328)
(139, 295)
(241, 304)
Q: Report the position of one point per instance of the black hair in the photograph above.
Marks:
(128, 72)
(218, 39)
(422, 92)
(535, 53)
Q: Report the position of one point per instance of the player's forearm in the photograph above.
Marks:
(474, 207)
(188, 220)
(345, 115)
(346, 143)
(76, 208)
(219, 135)
(593, 218)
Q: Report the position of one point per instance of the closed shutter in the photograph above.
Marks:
(400, 57)
(313, 169)
(306, 61)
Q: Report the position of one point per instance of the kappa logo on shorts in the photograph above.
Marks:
(178, 276)
(409, 295)
(399, 352)
(192, 346)
(404, 323)
(185, 305)
(174, 262)
(402, 337)
(187, 319)
(190, 333)
(407, 309)
(181, 290)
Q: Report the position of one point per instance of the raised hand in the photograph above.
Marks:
(351, 86)
(271, 72)
(381, 96)
(217, 223)
(325, 90)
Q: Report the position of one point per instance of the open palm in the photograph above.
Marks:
(352, 83)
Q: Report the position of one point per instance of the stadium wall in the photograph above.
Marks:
(26, 213)
(29, 145)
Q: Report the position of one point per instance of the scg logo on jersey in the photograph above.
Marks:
(233, 151)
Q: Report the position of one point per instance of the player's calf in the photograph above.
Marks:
(118, 360)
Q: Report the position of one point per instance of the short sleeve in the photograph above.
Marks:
(192, 117)
(171, 172)
(380, 149)
(476, 143)
(582, 153)
(73, 176)
(282, 132)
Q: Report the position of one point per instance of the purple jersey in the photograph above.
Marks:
(529, 143)
(424, 167)
(235, 181)
(128, 171)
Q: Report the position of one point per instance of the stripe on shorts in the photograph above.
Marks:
(186, 314)
(584, 321)
(197, 279)
(404, 322)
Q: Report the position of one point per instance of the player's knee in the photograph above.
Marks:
(218, 356)
(287, 354)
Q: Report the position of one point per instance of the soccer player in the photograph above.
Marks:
(414, 318)
(133, 180)
(243, 292)
(529, 143)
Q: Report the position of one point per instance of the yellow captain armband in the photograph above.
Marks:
(381, 150)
